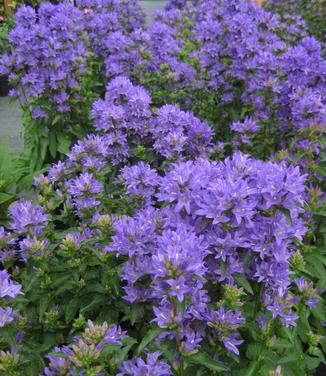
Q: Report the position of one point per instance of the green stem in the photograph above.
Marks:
(177, 338)
(258, 300)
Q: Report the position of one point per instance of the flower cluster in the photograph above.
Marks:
(245, 67)
(215, 215)
(27, 218)
(175, 131)
(184, 218)
(116, 35)
(123, 116)
(8, 291)
(126, 119)
(152, 366)
(311, 11)
(49, 57)
(62, 56)
(84, 354)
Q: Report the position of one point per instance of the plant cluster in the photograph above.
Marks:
(313, 12)
(185, 233)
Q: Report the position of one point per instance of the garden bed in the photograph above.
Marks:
(177, 171)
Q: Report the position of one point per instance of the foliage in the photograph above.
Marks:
(185, 234)
(15, 177)
(313, 12)
(4, 32)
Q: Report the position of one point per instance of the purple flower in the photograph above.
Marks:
(178, 287)
(281, 308)
(58, 364)
(135, 235)
(49, 54)
(152, 366)
(140, 180)
(263, 323)
(175, 131)
(6, 316)
(57, 172)
(85, 190)
(28, 218)
(8, 288)
(114, 335)
(225, 319)
(231, 342)
(85, 185)
(307, 291)
(247, 126)
(190, 341)
(165, 316)
(33, 247)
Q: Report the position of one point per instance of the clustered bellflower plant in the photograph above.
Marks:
(47, 70)
(182, 232)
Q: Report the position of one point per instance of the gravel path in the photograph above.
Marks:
(10, 122)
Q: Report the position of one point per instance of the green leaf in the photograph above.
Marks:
(289, 359)
(5, 159)
(5, 197)
(312, 362)
(52, 144)
(101, 299)
(44, 147)
(43, 306)
(9, 337)
(253, 349)
(287, 213)
(123, 353)
(149, 336)
(72, 308)
(63, 143)
(282, 343)
(205, 360)
(34, 158)
(56, 119)
(243, 282)
(253, 368)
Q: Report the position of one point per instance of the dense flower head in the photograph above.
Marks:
(9, 290)
(140, 181)
(28, 218)
(245, 129)
(234, 196)
(84, 191)
(85, 350)
(175, 131)
(125, 106)
(152, 366)
(128, 13)
(165, 48)
(301, 16)
(122, 116)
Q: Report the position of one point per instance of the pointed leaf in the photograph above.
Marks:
(205, 360)
(243, 282)
(149, 336)
(72, 308)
